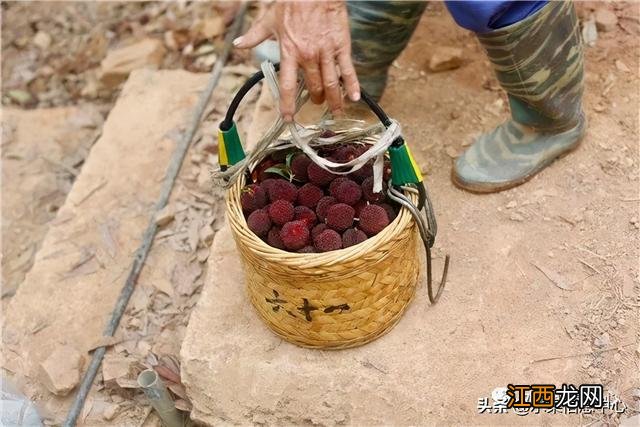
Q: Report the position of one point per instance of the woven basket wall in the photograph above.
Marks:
(330, 300)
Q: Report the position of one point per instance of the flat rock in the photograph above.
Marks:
(36, 177)
(236, 371)
(61, 370)
(115, 366)
(110, 411)
(77, 275)
(602, 341)
(165, 215)
(445, 58)
(119, 63)
(606, 20)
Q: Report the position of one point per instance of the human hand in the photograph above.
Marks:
(313, 36)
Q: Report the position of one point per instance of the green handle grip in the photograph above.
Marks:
(404, 169)
(230, 149)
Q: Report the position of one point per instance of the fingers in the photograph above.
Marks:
(313, 80)
(331, 82)
(288, 87)
(349, 76)
(256, 35)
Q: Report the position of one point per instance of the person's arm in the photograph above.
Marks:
(313, 36)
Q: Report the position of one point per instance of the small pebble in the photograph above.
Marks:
(451, 152)
(606, 20)
(602, 341)
(516, 217)
(110, 412)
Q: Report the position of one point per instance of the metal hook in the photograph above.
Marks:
(428, 228)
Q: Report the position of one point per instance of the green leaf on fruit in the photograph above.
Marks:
(281, 170)
(290, 159)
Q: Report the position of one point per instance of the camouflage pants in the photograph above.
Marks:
(380, 30)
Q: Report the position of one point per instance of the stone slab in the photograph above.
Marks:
(40, 149)
(237, 371)
(78, 273)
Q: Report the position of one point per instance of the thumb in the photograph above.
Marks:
(256, 35)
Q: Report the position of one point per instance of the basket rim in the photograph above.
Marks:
(238, 224)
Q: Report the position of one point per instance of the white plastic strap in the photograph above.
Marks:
(376, 151)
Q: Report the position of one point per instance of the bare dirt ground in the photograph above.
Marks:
(568, 239)
(565, 244)
(51, 51)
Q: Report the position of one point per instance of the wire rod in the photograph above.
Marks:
(147, 238)
(427, 228)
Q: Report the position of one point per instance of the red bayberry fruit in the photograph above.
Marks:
(364, 172)
(386, 176)
(352, 236)
(266, 184)
(281, 189)
(259, 173)
(281, 212)
(340, 216)
(323, 205)
(373, 219)
(259, 222)
(328, 240)
(327, 133)
(319, 176)
(303, 213)
(348, 192)
(333, 187)
(279, 156)
(309, 195)
(299, 166)
(252, 197)
(274, 239)
(369, 195)
(358, 206)
(319, 228)
(362, 148)
(345, 153)
(295, 235)
(307, 250)
(391, 212)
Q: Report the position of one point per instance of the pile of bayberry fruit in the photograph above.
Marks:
(295, 205)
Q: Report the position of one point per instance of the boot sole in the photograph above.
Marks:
(487, 189)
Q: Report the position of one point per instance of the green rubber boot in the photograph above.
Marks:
(380, 30)
(539, 63)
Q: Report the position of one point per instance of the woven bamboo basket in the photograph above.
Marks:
(330, 300)
(336, 299)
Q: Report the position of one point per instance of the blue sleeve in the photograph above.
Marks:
(484, 16)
